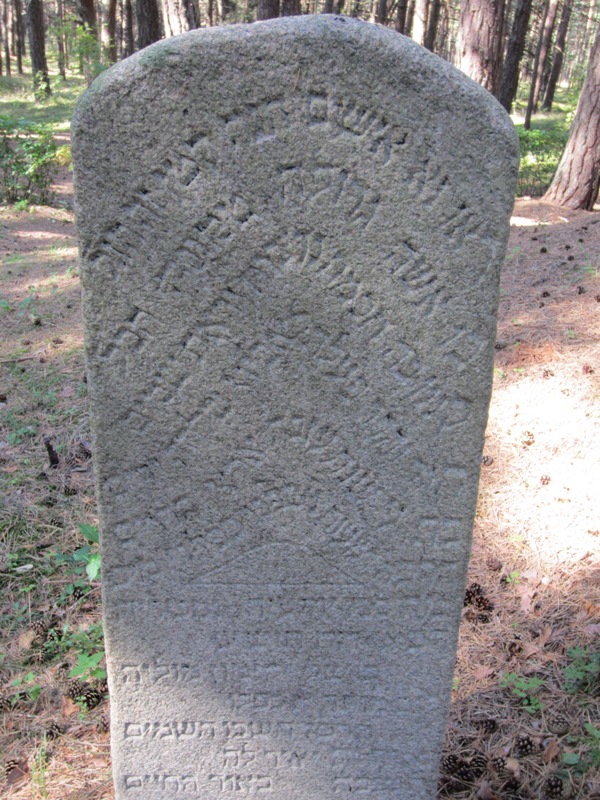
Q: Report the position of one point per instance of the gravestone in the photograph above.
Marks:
(291, 234)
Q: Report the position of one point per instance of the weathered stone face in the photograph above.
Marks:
(291, 235)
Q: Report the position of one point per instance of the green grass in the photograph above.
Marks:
(16, 97)
(542, 145)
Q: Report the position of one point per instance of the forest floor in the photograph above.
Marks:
(525, 715)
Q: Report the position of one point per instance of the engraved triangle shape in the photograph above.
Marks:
(283, 564)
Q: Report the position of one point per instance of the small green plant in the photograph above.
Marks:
(26, 684)
(587, 755)
(84, 559)
(582, 675)
(87, 666)
(525, 689)
(513, 578)
(27, 161)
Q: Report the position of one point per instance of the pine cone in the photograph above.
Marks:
(554, 788)
(103, 724)
(451, 763)
(75, 689)
(53, 731)
(524, 746)
(91, 697)
(488, 725)
(499, 764)
(478, 764)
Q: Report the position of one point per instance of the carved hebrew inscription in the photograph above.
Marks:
(290, 281)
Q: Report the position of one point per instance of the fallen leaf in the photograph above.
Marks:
(552, 751)
(527, 596)
(485, 792)
(69, 707)
(512, 765)
(483, 672)
(100, 761)
(26, 640)
(593, 630)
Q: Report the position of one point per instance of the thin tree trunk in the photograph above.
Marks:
(7, 26)
(419, 23)
(147, 13)
(514, 54)
(577, 177)
(381, 12)
(87, 13)
(191, 15)
(401, 16)
(432, 24)
(480, 41)
(328, 7)
(20, 34)
(111, 30)
(410, 15)
(129, 39)
(559, 50)
(267, 9)
(60, 40)
(290, 8)
(536, 62)
(1, 41)
(544, 50)
(37, 49)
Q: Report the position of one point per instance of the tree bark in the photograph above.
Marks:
(514, 54)
(480, 41)
(191, 15)
(290, 8)
(147, 13)
(7, 23)
(87, 13)
(37, 48)
(536, 63)
(432, 24)
(401, 16)
(544, 50)
(381, 13)
(559, 50)
(577, 177)
(20, 34)
(267, 9)
(419, 22)
(129, 39)
(111, 31)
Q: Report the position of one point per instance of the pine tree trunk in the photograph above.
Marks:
(267, 9)
(514, 54)
(7, 26)
(87, 13)
(20, 34)
(480, 41)
(129, 38)
(577, 178)
(432, 24)
(536, 63)
(401, 16)
(419, 22)
(381, 13)
(191, 15)
(37, 48)
(290, 8)
(544, 50)
(111, 31)
(559, 50)
(147, 13)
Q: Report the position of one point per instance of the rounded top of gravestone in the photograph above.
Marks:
(409, 63)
